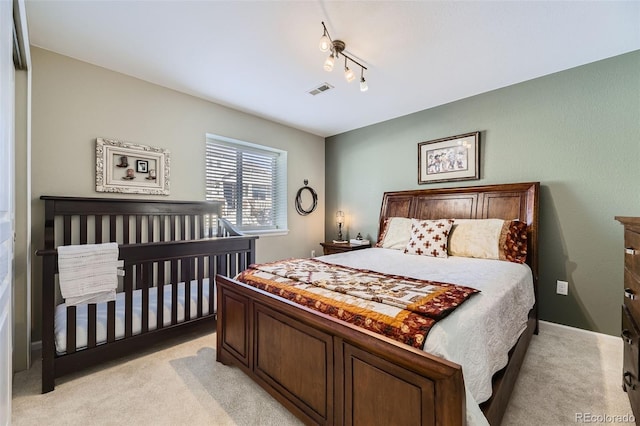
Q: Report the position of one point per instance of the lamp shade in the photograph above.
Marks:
(340, 216)
(363, 85)
(325, 43)
(328, 64)
(349, 75)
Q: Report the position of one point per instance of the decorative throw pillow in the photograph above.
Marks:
(395, 233)
(429, 237)
(489, 239)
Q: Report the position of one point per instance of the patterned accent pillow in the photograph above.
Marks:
(429, 237)
(489, 239)
(513, 242)
(395, 233)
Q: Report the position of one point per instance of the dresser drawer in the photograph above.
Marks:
(630, 340)
(632, 251)
(631, 361)
(632, 294)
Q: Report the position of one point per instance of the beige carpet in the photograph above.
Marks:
(566, 372)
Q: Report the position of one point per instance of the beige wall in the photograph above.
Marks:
(22, 258)
(577, 132)
(75, 102)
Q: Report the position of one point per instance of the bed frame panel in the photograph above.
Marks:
(160, 242)
(361, 377)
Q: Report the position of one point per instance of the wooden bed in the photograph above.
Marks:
(326, 371)
(160, 243)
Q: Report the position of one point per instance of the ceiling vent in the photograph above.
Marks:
(320, 89)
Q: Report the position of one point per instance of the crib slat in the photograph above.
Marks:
(144, 273)
(160, 286)
(222, 264)
(150, 220)
(98, 228)
(67, 230)
(200, 284)
(186, 277)
(91, 332)
(242, 263)
(233, 264)
(71, 329)
(183, 227)
(174, 292)
(163, 223)
(111, 321)
(172, 226)
(113, 229)
(201, 233)
(128, 300)
(125, 229)
(192, 221)
(138, 228)
(83, 229)
(212, 275)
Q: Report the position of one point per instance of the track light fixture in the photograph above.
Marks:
(337, 48)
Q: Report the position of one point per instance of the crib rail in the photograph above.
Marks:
(161, 244)
(73, 220)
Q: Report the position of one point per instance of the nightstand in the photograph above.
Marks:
(330, 247)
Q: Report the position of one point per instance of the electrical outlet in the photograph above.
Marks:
(562, 287)
(313, 253)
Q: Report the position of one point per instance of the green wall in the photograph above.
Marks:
(576, 131)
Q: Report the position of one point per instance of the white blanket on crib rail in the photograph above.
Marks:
(82, 315)
(88, 273)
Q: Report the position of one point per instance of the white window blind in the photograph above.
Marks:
(250, 181)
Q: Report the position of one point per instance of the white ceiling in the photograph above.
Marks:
(262, 57)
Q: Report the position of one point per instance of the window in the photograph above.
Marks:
(250, 181)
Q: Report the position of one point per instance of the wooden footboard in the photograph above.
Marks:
(327, 371)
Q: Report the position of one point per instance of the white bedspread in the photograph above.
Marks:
(82, 316)
(479, 334)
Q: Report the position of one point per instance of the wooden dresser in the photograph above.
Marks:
(631, 311)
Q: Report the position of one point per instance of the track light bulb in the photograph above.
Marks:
(348, 74)
(325, 43)
(363, 85)
(328, 64)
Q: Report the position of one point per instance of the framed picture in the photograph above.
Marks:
(449, 159)
(124, 167)
(142, 166)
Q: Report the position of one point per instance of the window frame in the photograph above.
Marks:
(280, 196)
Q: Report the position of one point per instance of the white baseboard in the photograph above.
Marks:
(580, 330)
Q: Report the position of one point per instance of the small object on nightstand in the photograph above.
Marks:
(359, 242)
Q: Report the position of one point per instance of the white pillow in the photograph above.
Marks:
(489, 239)
(395, 233)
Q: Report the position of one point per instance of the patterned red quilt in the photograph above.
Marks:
(402, 308)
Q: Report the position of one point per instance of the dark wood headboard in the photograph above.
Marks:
(506, 201)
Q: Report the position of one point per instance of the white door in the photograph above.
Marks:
(7, 96)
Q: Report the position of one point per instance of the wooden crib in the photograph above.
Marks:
(171, 252)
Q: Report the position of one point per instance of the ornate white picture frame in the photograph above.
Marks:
(124, 167)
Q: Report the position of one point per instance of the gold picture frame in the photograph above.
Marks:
(450, 159)
(124, 167)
